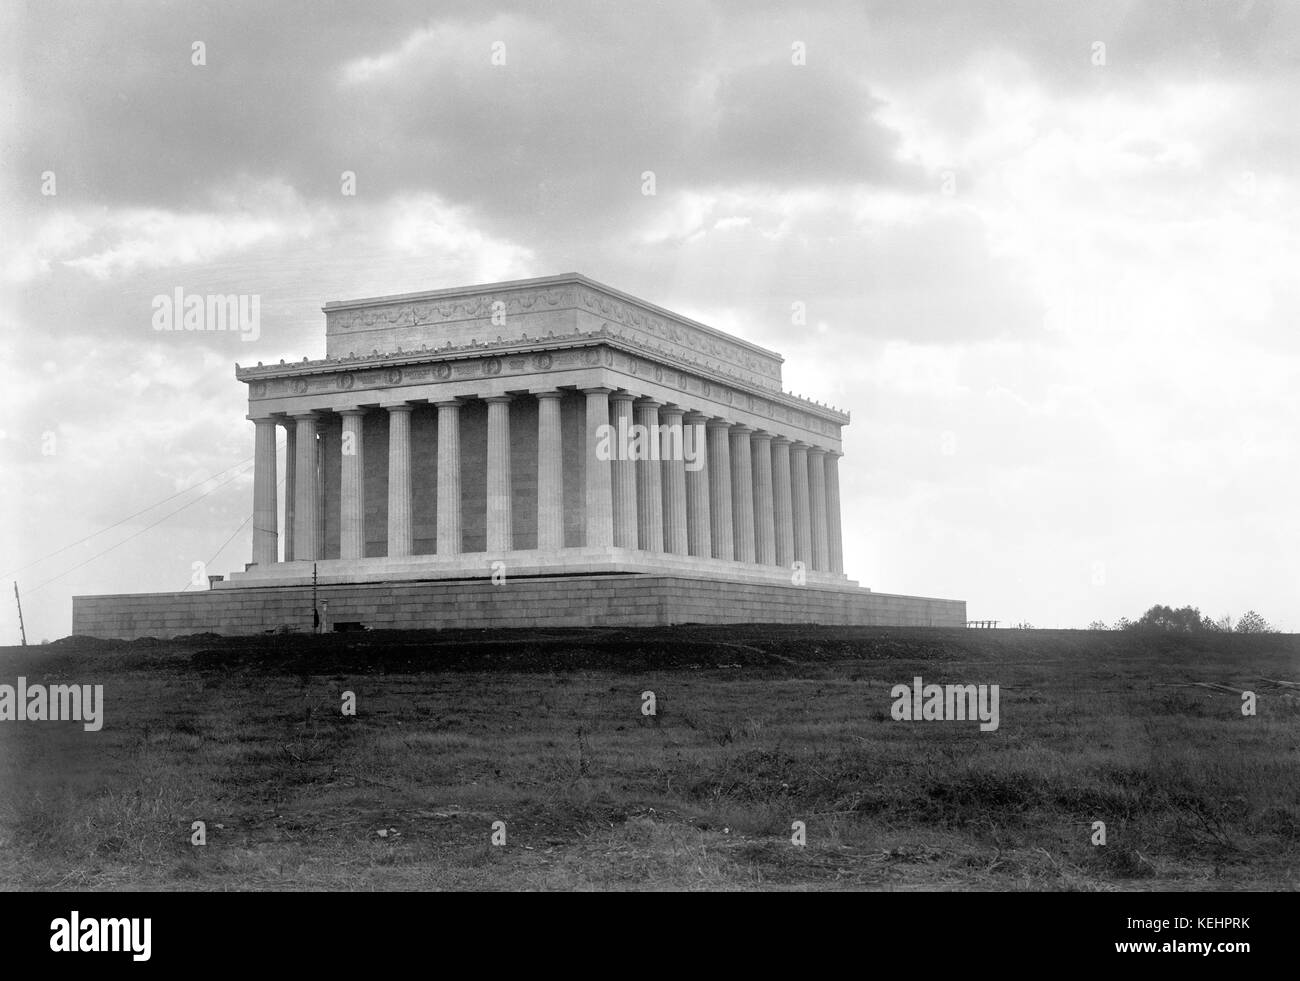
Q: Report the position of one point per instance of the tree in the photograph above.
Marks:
(1097, 625)
(1186, 620)
(1252, 623)
(1124, 623)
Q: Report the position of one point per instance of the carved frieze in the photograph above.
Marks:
(404, 313)
(357, 380)
(619, 318)
(626, 314)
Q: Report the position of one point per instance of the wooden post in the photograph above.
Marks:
(22, 629)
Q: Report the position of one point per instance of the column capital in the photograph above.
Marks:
(648, 403)
(740, 429)
(553, 393)
(782, 441)
(448, 403)
(597, 390)
(498, 399)
(835, 453)
(399, 407)
(671, 410)
(717, 422)
(799, 444)
(816, 450)
(695, 417)
(622, 395)
(309, 414)
(265, 418)
(760, 434)
(352, 410)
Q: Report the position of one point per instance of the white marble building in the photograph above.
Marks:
(450, 433)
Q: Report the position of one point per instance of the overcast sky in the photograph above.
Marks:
(1048, 253)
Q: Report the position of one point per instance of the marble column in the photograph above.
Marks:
(550, 473)
(624, 472)
(802, 508)
(724, 543)
(320, 496)
(290, 483)
(306, 517)
(764, 513)
(449, 538)
(499, 532)
(399, 480)
(599, 491)
(649, 480)
(834, 530)
(782, 502)
(742, 493)
(699, 534)
(672, 453)
(817, 502)
(352, 487)
(266, 508)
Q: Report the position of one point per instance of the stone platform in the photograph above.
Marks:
(615, 599)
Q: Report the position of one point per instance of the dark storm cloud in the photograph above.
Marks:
(592, 95)
(590, 98)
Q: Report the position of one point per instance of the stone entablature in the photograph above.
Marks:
(514, 366)
(554, 306)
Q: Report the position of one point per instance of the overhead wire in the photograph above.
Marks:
(60, 551)
(128, 538)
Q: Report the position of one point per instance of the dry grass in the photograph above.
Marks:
(702, 796)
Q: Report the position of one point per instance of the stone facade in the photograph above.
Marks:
(468, 433)
(567, 601)
(445, 409)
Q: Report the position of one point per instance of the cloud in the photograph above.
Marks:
(1082, 274)
(107, 243)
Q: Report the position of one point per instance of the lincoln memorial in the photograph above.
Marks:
(547, 451)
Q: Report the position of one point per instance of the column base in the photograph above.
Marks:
(532, 562)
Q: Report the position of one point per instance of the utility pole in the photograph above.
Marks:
(18, 600)
(315, 613)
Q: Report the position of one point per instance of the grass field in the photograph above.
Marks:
(756, 728)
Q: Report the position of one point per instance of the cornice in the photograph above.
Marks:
(605, 336)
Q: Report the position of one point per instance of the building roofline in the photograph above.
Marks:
(563, 279)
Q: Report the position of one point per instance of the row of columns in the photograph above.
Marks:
(759, 498)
